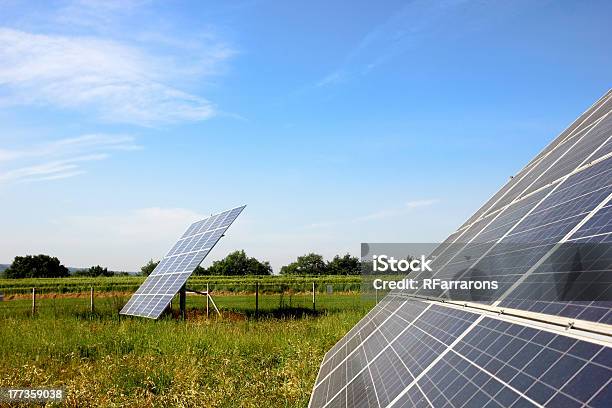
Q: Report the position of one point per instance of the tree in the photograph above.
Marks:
(345, 265)
(237, 264)
(94, 271)
(200, 271)
(148, 267)
(36, 266)
(310, 264)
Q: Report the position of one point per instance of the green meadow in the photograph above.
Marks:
(236, 360)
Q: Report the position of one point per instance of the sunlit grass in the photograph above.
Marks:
(106, 361)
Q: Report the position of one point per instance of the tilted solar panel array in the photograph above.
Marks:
(172, 272)
(410, 351)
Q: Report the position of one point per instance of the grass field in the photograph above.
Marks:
(233, 361)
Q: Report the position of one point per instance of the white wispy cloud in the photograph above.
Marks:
(401, 31)
(395, 212)
(332, 78)
(117, 82)
(97, 13)
(59, 159)
(142, 224)
(68, 146)
(48, 171)
(378, 215)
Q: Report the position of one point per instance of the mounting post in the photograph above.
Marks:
(314, 298)
(91, 300)
(207, 302)
(182, 301)
(256, 300)
(33, 301)
(208, 297)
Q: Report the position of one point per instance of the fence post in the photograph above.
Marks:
(182, 302)
(256, 299)
(207, 301)
(314, 298)
(33, 301)
(91, 300)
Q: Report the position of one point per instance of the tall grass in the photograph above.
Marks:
(102, 360)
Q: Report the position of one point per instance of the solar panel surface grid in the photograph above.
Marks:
(496, 197)
(172, 272)
(512, 365)
(461, 257)
(393, 356)
(414, 398)
(599, 225)
(507, 363)
(562, 161)
(365, 326)
(520, 184)
(383, 310)
(592, 145)
(580, 278)
(590, 271)
(452, 361)
(480, 237)
(371, 343)
(525, 185)
(389, 375)
(534, 364)
(588, 117)
(566, 206)
(360, 392)
(529, 172)
(448, 250)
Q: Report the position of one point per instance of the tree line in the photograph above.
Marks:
(237, 263)
(45, 266)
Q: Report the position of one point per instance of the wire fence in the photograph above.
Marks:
(255, 299)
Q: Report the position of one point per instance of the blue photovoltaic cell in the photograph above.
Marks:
(529, 365)
(512, 189)
(390, 357)
(157, 291)
(409, 353)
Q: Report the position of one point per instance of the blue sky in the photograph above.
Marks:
(336, 122)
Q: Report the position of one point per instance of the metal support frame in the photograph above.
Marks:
(580, 329)
(208, 298)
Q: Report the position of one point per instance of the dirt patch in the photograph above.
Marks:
(233, 316)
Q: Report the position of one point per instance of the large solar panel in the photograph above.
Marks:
(530, 346)
(172, 272)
